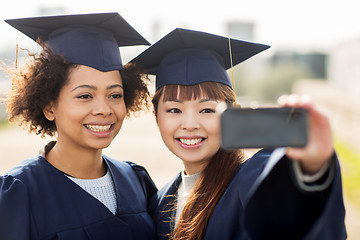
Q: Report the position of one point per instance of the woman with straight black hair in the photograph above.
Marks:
(282, 193)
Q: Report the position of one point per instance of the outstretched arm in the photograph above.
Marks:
(279, 209)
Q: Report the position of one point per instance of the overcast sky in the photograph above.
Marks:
(306, 24)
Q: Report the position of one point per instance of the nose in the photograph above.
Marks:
(190, 122)
(102, 107)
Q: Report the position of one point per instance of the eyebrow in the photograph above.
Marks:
(94, 87)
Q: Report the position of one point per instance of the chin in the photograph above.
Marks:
(100, 145)
(192, 160)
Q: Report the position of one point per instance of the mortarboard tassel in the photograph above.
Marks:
(17, 50)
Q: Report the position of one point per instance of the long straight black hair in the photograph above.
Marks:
(216, 176)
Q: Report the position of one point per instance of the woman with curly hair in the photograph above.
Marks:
(78, 90)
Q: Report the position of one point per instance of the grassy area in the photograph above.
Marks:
(4, 123)
(350, 167)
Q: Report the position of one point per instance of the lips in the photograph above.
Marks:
(98, 128)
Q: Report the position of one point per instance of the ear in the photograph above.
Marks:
(49, 112)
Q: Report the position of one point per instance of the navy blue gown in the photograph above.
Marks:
(260, 204)
(37, 201)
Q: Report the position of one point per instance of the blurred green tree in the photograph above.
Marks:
(278, 80)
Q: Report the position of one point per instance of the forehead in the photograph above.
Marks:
(85, 74)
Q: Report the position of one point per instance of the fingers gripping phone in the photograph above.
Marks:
(264, 127)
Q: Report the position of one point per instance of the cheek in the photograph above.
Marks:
(214, 129)
(122, 110)
(166, 126)
(73, 113)
(119, 108)
(163, 126)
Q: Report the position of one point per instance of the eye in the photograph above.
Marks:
(173, 110)
(84, 96)
(116, 95)
(207, 110)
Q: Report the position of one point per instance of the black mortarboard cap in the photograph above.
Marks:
(188, 57)
(87, 39)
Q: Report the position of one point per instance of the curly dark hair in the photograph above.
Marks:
(39, 83)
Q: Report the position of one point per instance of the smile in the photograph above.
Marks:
(98, 128)
(190, 142)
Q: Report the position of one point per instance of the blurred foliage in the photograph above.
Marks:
(266, 79)
(350, 167)
(278, 80)
(4, 123)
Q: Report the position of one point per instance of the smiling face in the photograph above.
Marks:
(90, 108)
(190, 127)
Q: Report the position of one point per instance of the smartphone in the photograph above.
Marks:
(264, 127)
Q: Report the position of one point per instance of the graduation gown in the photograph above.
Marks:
(263, 201)
(37, 201)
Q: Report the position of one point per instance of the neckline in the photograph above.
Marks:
(188, 181)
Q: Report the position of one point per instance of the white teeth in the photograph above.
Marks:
(98, 128)
(192, 141)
